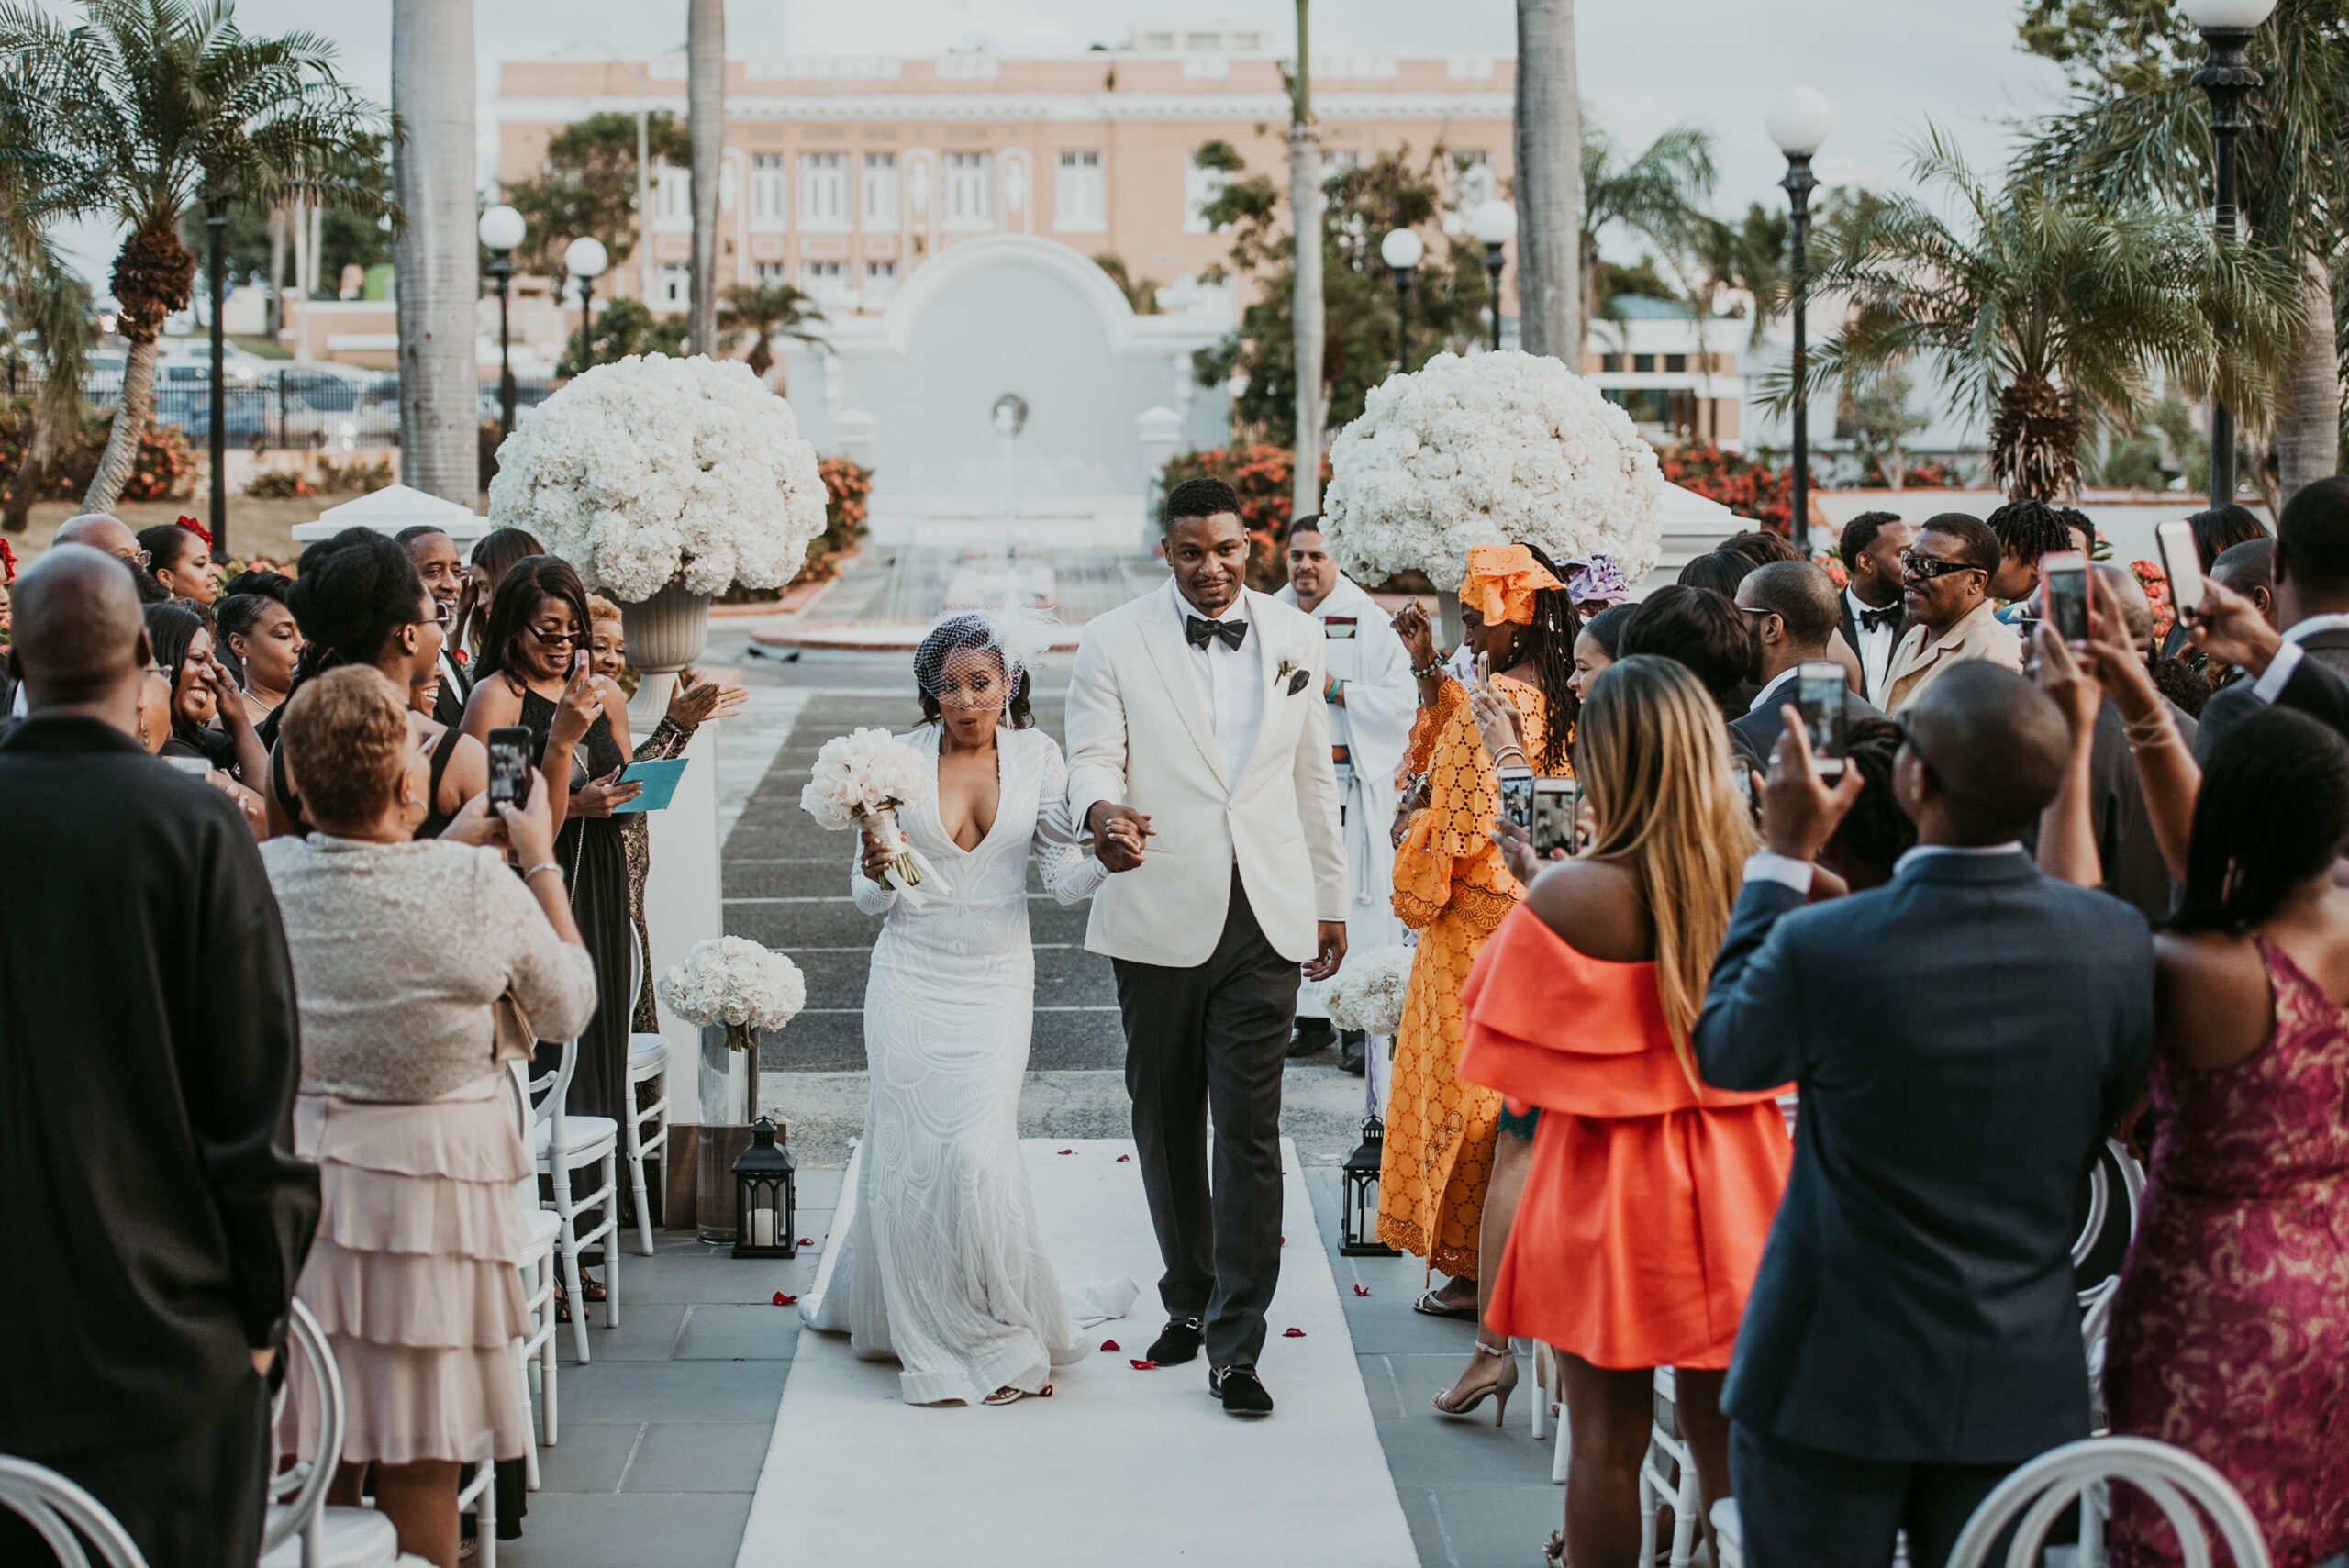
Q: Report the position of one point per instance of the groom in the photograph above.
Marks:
(1196, 719)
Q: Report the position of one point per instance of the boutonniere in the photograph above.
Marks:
(1295, 677)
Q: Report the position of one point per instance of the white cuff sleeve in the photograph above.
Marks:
(2270, 685)
(1784, 870)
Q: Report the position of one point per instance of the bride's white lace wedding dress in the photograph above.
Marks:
(935, 1257)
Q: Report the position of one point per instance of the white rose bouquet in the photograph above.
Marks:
(864, 779)
(734, 983)
(654, 470)
(1366, 994)
(1500, 449)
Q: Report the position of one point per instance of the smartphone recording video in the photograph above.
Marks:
(1555, 803)
(1819, 697)
(1517, 797)
(2064, 591)
(2183, 566)
(509, 767)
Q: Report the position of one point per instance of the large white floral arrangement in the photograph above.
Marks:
(652, 471)
(1500, 449)
(862, 780)
(733, 982)
(1366, 992)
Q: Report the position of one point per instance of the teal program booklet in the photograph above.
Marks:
(660, 782)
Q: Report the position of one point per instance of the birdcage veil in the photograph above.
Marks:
(1017, 638)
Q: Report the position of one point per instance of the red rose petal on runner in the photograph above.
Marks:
(1068, 1150)
(1123, 1158)
(807, 1240)
(1359, 1291)
(1292, 1333)
(1145, 1366)
(1109, 1346)
(783, 1300)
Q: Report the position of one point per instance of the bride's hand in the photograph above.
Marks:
(876, 861)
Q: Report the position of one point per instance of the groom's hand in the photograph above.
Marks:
(1118, 834)
(1333, 950)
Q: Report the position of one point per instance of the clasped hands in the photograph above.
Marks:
(1119, 835)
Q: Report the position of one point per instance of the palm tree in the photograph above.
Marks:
(163, 104)
(1549, 181)
(2049, 316)
(45, 306)
(437, 255)
(2140, 131)
(1659, 195)
(757, 314)
(1749, 256)
(705, 133)
(1308, 316)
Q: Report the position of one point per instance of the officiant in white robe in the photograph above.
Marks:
(1372, 701)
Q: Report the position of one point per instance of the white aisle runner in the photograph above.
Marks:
(1120, 1466)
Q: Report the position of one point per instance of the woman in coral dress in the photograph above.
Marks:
(1452, 887)
(1650, 1195)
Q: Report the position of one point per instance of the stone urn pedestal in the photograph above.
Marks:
(665, 633)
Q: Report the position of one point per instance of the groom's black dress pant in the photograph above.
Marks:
(1201, 1041)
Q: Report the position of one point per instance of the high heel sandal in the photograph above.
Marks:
(1010, 1395)
(1461, 1400)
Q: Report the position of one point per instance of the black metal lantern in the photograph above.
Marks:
(766, 1197)
(1358, 1209)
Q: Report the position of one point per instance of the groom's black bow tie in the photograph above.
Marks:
(1876, 620)
(1201, 630)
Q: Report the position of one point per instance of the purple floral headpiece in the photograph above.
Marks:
(1599, 579)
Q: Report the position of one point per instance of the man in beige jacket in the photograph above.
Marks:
(1945, 583)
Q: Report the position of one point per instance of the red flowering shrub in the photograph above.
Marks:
(2156, 582)
(1746, 487)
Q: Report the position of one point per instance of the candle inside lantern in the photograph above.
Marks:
(762, 1226)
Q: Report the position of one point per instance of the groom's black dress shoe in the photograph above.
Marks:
(1241, 1393)
(1177, 1344)
(1312, 1035)
(1353, 1053)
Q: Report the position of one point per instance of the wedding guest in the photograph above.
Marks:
(104, 531)
(2216, 531)
(535, 671)
(1595, 646)
(494, 553)
(1372, 701)
(2025, 530)
(1452, 886)
(1875, 613)
(259, 634)
(360, 601)
(1721, 572)
(443, 571)
(404, 1099)
(1711, 636)
(201, 693)
(2083, 530)
(180, 559)
(148, 1040)
(2311, 600)
(1946, 575)
(693, 702)
(1790, 609)
(2250, 570)
(1761, 546)
(1651, 1191)
(268, 584)
(1876, 832)
(1913, 1334)
(1596, 584)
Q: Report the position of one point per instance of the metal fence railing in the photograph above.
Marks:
(273, 406)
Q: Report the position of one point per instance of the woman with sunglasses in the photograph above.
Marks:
(536, 671)
(359, 601)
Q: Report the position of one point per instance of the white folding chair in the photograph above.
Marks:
(56, 1508)
(479, 1498)
(2035, 1496)
(1668, 1479)
(647, 1063)
(537, 1268)
(560, 1145)
(1729, 1535)
(303, 1529)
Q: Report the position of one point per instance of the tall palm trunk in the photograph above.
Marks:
(2035, 441)
(1307, 315)
(40, 451)
(1549, 181)
(2308, 439)
(705, 136)
(154, 274)
(435, 256)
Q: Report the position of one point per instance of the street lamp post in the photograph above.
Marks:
(1401, 250)
(585, 259)
(501, 230)
(1495, 223)
(2228, 78)
(216, 224)
(1798, 122)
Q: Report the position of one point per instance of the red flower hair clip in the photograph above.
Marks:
(7, 562)
(198, 530)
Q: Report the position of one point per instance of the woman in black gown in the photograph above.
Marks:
(535, 673)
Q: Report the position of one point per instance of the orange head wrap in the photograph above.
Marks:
(1501, 582)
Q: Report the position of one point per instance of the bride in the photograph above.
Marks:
(935, 1259)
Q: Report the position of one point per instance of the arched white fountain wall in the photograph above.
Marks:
(1109, 396)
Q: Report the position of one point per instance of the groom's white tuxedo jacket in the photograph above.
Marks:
(1140, 733)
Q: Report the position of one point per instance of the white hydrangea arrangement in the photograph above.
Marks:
(864, 779)
(1366, 994)
(734, 983)
(1500, 449)
(653, 470)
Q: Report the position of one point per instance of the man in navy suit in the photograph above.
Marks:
(1964, 1038)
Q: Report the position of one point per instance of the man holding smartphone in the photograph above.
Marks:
(1791, 606)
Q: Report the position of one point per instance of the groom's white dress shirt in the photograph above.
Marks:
(1232, 679)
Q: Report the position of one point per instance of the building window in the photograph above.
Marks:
(1610, 363)
(1676, 363)
(1472, 176)
(766, 191)
(673, 198)
(881, 190)
(675, 289)
(1200, 186)
(1643, 364)
(880, 282)
(1080, 199)
(823, 192)
(1338, 160)
(970, 191)
(766, 273)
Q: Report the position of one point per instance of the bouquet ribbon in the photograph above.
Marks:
(910, 872)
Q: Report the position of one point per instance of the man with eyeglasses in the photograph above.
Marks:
(1945, 589)
(443, 571)
(103, 530)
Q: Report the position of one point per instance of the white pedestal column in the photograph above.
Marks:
(684, 901)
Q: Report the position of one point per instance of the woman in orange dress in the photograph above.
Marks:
(1440, 1194)
(1650, 1195)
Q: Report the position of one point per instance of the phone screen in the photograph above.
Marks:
(1556, 802)
(194, 766)
(2064, 590)
(1484, 669)
(2181, 565)
(509, 765)
(1517, 797)
(1819, 697)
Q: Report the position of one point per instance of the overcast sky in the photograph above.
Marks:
(1887, 66)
